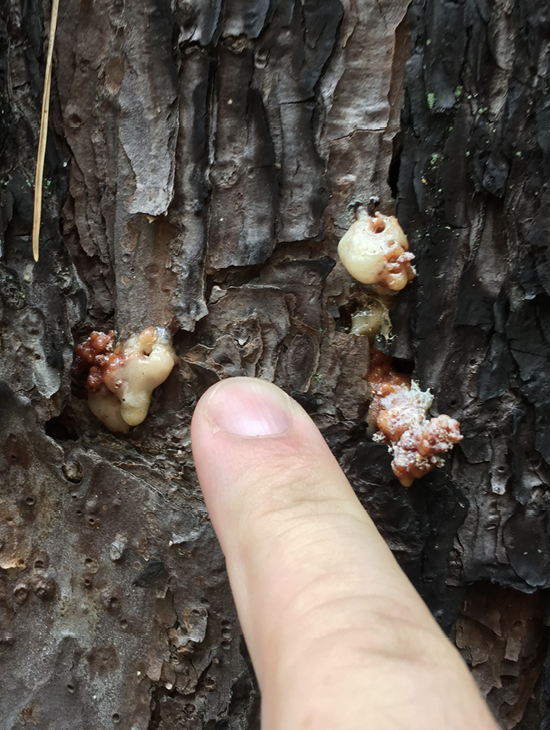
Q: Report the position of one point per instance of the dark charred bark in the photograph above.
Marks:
(474, 199)
(204, 158)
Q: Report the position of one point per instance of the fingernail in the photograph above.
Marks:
(249, 407)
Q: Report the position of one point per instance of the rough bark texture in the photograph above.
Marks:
(474, 198)
(204, 159)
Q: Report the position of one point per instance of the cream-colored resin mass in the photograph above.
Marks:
(121, 380)
(376, 251)
(148, 359)
(106, 406)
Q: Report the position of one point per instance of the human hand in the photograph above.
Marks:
(338, 636)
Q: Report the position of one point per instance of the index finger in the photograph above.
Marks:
(330, 619)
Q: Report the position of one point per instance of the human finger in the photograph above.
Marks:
(338, 636)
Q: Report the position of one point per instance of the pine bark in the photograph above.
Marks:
(204, 158)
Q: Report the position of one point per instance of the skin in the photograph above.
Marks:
(339, 638)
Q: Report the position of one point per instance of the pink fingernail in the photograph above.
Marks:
(249, 407)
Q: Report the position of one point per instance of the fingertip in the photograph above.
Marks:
(246, 407)
(238, 428)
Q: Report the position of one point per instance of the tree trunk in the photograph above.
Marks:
(204, 159)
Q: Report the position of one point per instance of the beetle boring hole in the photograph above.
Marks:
(403, 366)
(377, 225)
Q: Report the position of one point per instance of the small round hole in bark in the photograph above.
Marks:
(75, 121)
